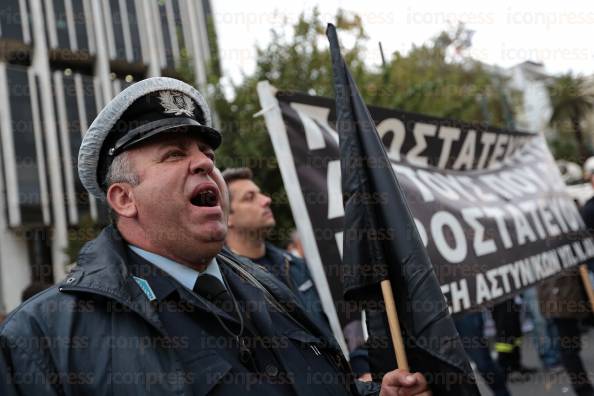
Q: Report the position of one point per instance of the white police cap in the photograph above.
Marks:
(145, 109)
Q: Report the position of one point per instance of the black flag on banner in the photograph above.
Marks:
(374, 204)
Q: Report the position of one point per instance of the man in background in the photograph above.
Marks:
(250, 222)
(33, 289)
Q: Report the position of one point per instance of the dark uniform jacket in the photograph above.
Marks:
(587, 212)
(293, 272)
(100, 333)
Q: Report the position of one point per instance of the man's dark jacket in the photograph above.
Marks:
(294, 273)
(97, 333)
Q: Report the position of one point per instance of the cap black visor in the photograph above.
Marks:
(177, 124)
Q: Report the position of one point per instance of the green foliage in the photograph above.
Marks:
(421, 81)
(86, 230)
(295, 61)
(214, 63)
(425, 81)
(564, 148)
(571, 100)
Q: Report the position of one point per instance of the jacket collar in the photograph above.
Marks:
(101, 269)
(158, 280)
(101, 266)
(280, 254)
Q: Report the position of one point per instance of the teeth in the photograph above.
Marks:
(205, 198)
(211, 198)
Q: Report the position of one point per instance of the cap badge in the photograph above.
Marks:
(176, 103)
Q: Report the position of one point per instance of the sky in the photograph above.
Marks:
(557, 33)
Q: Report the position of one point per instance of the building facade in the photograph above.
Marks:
(531, 79)
(61, 61)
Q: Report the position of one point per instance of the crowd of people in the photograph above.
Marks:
(559, 313)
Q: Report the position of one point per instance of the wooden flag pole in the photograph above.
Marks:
(587, 284)
(397, 342)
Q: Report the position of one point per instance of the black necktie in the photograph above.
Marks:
(211, 288)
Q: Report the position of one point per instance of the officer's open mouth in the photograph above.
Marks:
(205, 197)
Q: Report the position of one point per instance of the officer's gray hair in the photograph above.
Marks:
(121, 171)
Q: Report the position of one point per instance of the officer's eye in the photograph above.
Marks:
(174, 154)
(207, 150)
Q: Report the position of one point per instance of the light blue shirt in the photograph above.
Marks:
(183, 274)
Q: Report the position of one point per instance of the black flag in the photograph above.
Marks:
(381, 242)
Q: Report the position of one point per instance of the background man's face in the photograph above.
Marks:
(250, 208)
(182, 199)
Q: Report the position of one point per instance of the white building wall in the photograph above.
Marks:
(15, 271)
(531, 80)
(41, 67)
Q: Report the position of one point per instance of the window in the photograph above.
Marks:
(88, 96)
(23, 135)
(39, 242)
(134, 31)
(47, 35)
(61, 23)
(80, 25)
(177, 18)
(167, 46)
(10, 20)
(118, 30)
(75, 122)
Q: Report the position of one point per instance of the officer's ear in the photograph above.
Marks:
(120, 197)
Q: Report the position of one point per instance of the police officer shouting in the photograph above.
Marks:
(154, 305)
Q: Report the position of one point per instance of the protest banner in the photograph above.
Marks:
(489, 204)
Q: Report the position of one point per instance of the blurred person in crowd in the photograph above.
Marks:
(563, 299)
(295, 247)
(587, 210)
(571, 172)
(155, 305)
(33, 289)
(508, 339)
(471, 327)
(544, 333)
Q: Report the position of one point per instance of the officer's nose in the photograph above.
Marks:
(200, 162)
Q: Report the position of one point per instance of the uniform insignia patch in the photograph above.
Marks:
(305, 286)
(146, 288)
(176, 103)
